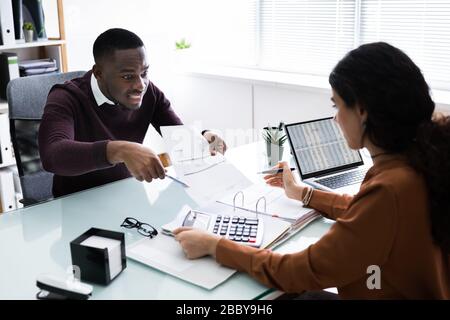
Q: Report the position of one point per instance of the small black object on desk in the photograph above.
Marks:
(99, 255)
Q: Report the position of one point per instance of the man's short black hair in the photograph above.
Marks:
(115, 39)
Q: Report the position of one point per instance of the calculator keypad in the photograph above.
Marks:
(239, 229)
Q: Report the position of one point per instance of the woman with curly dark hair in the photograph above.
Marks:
(399, 221)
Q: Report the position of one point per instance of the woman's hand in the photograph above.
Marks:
(286, 181)
(196, 243)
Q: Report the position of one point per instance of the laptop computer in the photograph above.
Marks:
(323, 158)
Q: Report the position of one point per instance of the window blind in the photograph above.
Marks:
(310, 36)
(305, 36)
(421, 28)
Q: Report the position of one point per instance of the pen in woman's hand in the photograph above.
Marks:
(274, 171)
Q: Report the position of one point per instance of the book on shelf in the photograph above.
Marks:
(6, 23)
(9, 70)
(18, 19)
(6, 150)
(7, 193)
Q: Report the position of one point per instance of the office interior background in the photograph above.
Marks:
(250, 63)
(257, 61)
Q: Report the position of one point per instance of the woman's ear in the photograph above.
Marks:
(362, 114)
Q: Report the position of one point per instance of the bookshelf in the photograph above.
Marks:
(52, 48)
(32, 44)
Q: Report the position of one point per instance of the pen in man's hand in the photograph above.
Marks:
(177, 180)
(274, 171)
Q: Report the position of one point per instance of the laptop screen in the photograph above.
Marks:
(319, 148)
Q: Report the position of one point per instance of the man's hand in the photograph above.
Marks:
(142, 162)
(216, 143)
(196, 243)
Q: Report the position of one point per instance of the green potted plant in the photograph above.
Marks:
(182, 44)
(275, 139)
(28, 31)
(182, 53)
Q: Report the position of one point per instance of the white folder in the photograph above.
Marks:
(7, 22)
(6, 152)
(7, 192)
(19, 198)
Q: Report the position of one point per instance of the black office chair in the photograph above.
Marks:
(26, 101)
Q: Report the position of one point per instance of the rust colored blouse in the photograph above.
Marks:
(387, 224)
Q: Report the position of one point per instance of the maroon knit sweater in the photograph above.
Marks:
(74, 132)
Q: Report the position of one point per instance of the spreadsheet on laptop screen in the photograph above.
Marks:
(320, 145)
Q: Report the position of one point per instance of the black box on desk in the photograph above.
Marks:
(99, 255)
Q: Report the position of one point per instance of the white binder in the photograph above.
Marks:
(6, 152)
(7, 23)
(7, 192)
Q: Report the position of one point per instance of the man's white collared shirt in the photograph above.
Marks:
(98, 94)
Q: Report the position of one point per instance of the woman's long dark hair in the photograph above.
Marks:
(391, 88)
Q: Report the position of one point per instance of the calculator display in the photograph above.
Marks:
(197, 220)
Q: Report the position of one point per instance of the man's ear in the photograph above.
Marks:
(97, 72)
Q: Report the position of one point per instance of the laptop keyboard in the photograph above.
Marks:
(343, 179)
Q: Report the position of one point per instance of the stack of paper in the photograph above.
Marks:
(39, 66)
(114, 252)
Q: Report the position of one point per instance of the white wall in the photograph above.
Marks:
(289, 104)
(212, 103)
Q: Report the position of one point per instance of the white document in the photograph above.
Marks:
(184, 143)
(189, 167)
(114, 252)
(273, 202)
(165, 253)
(7, 23)
(7, 193)
(211, 184)
(177, 222)
(19, 198)
(208, 177)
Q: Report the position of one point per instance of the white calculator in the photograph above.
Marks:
(244, 230)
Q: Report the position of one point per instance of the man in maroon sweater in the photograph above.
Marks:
(93, 127)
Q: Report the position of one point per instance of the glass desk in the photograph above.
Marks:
(36, 239)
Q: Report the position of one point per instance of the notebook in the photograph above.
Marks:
(262, 199)
(323, 158)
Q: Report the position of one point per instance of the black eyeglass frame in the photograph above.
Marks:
(130, 223)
